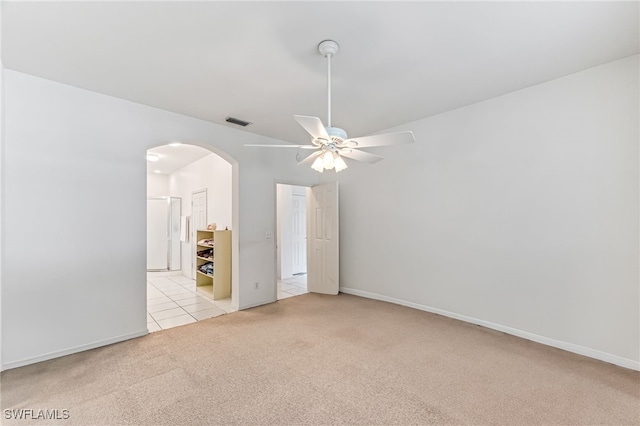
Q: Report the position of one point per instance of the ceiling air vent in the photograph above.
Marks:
(237, 121)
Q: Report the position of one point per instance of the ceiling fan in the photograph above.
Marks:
(329, 143)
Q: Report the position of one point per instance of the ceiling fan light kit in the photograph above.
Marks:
(332, 143)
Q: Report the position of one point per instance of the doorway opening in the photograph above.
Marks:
(322, 237)
(291, 240)
(190, 198)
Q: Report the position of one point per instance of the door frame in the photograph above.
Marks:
(275, 227)
(279, 229)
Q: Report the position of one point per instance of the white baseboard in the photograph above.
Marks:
(255, 304)
(69, 351)
(570, 347)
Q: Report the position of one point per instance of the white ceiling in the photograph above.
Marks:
(173, 158)
(399, 61)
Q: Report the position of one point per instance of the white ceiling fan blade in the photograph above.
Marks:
(313, 125)
(284, 146)
(365, 157)
(310, 158)
(380, 140)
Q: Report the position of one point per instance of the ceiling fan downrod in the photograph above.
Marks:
(328, 48)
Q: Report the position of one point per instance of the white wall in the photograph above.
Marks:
(519, 213)
(157, 185)
(2, 127)
(214, 174)
(75, 181)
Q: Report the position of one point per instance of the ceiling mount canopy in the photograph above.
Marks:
(330, 143)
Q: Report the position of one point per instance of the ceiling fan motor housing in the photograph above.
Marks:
(337, 134)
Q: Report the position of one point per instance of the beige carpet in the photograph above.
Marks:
(316, 359)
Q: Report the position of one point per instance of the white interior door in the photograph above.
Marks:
(157, 234)
(198, 220)
(323, 235)
(299, 234)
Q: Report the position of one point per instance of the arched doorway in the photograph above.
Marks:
(190, 187)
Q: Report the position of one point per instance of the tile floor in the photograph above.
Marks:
(172, 300)
(292, 286)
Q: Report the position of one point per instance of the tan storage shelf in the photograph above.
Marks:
(217, 285)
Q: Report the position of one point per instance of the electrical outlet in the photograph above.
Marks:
(256, 285)
(268, 234)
